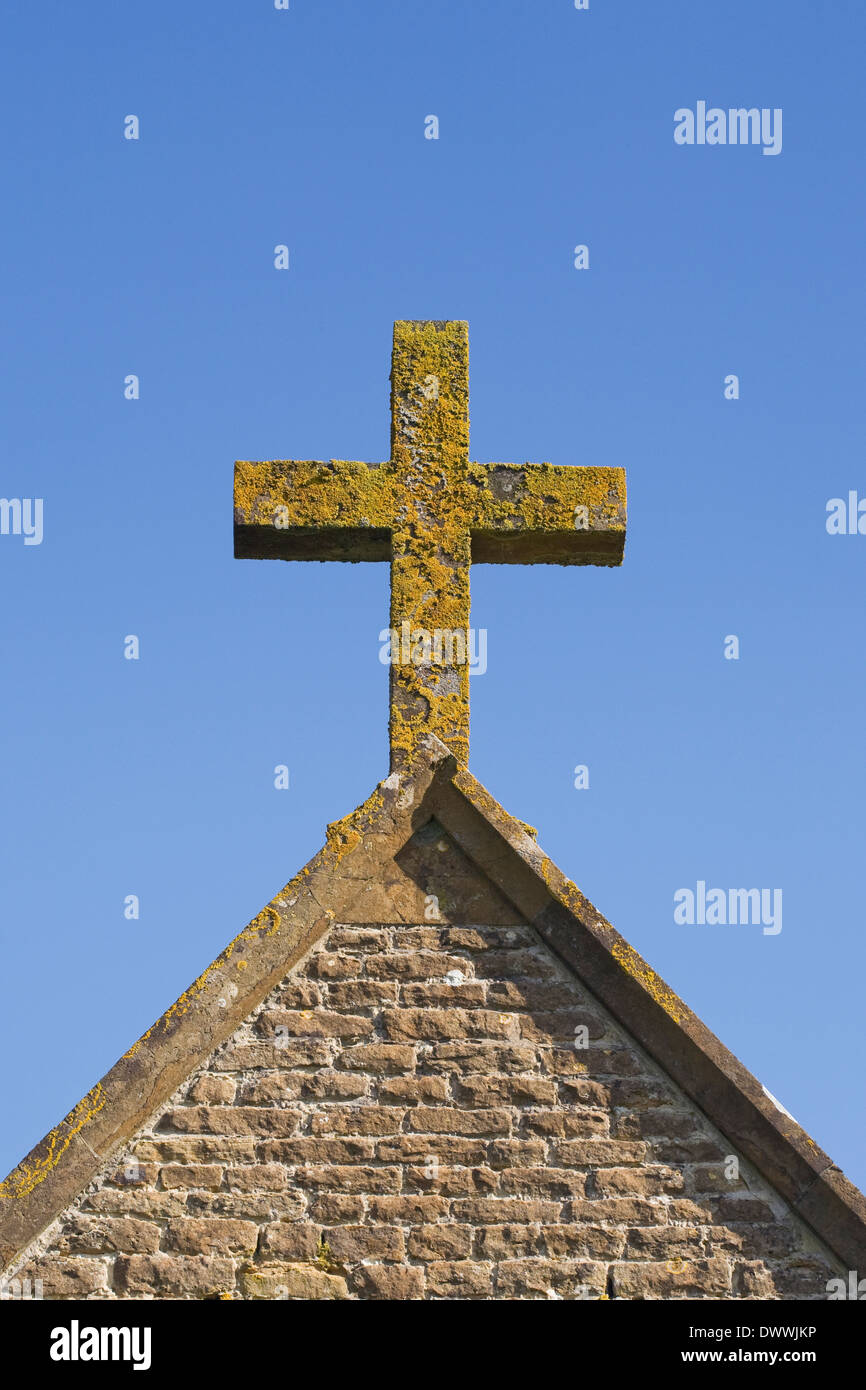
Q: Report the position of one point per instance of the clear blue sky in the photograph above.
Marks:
(155, 257)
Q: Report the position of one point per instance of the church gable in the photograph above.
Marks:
(429, 1069)
(429, 1109)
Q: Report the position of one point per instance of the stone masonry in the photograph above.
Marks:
(412, 1114)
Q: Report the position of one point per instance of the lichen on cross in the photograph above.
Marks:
(431, 513)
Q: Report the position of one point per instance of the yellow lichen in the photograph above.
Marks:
(629, 959)
(428, 501)
(22, 1182)
(344, 835)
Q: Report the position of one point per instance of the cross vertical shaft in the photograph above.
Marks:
(430, 558)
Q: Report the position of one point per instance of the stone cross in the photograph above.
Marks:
(431, 513)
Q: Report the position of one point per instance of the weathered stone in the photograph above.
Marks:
(542, 1028)
(210, 1236)
(407, 1210)
(583, 1242)
(459, 1279)
(442, 1119)
(213, 1149)
(480, 1138)
(334, 1085)
(450, 1182)
(65, 1277)
(405, 1025)
(422, 1148)
(270, 1088)
(286, 1240)
(638, 1182)
(257, 1177)
(313, 1023)
(804, 1278)
(496, 1211)
(412, 1089)
(361, 994)
(579, 1091)
(752, 1279)
(328, 966)
(505, 1090)
(517, 995)
(104, 1235)
(357, 1119)
(567, 1124)
(292, 1052)
(229, 1120)
(679, 1277)
(212, 1090)
(515, 1153)
(463, 938)
(507, 1242)
(398, 1282)
(713, 1180)
(742, 1208)
(597, 1153)
(460, 994)
(172, 1276)
(134, 1175)
(158, 1206)
(481, 1057)
(355, 1243)
(186, 1175)
(331, 1208)
(248, 1206)
(378, 1057)
(526, 964)
(299, 994)
(316, 1150)
(415, 965)
(618, 1211)
(291, 1281)
(439, 1242)
(343, 1178)
(531, 1278)
(663, 1242)
(363, 939)
(542, 1182)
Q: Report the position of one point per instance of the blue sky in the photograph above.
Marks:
(155, 257)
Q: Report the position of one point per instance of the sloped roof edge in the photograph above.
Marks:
(62, 1164)
(728, 1094)
(58, 1169)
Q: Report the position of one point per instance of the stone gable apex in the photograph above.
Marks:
(380, 865)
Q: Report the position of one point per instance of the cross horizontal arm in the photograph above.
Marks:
(540, 513)
(305, 510)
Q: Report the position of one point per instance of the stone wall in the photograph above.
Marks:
(429, 1112)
